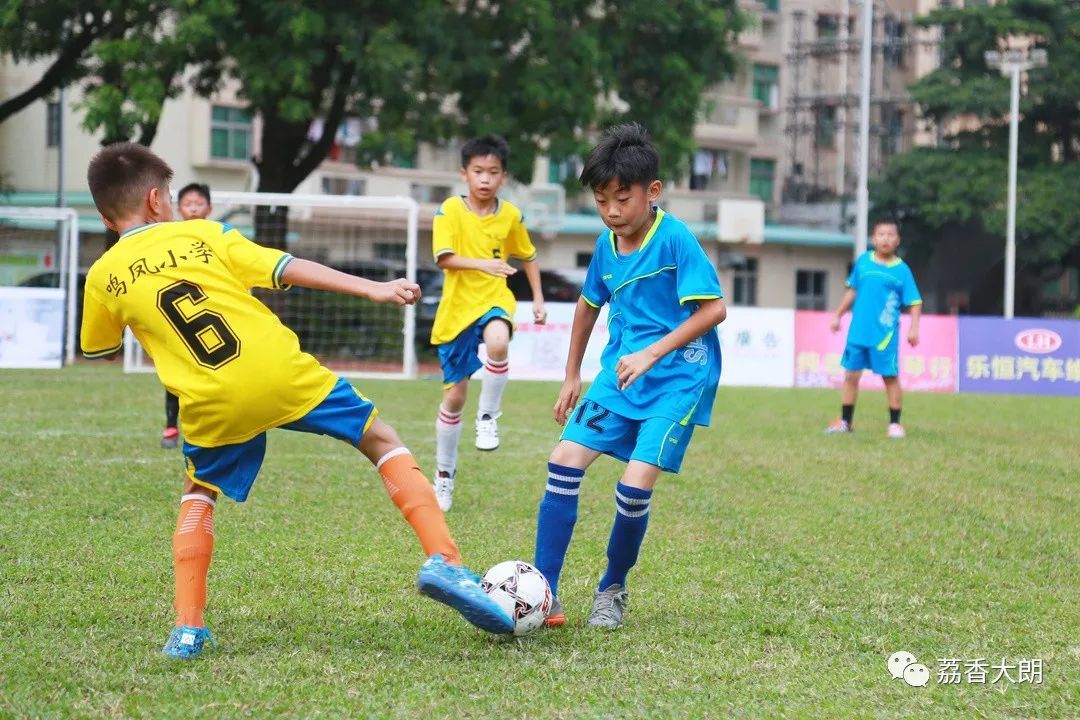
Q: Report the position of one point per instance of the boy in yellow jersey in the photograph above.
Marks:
(473, 236)
(194, 202)
(184, 290)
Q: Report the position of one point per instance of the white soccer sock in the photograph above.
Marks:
(447, 434)
(496, 373)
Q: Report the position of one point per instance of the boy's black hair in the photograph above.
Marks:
(484, 146)
(200, 188)
(885, 220)
(624, 153)
(121, 174)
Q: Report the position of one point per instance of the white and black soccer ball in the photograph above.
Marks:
(522, 591)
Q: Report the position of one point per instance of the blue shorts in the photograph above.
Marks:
(656, 441)
(344, 414)
(459, 358)
(883, 360)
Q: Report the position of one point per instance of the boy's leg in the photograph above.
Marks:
(409, 489)
(193, 546)
(660, 446)
(855, 360)
(496, 372)
(442, 577)
(558, 514)
(895, 396)
(447, 436)
(632, 497)
(849, 393)
(171, 435)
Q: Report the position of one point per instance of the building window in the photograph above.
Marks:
(825, 122)
(761, 179)
(744, 282)
(582, 260)
(767, 86)
(230, 133)
(895, 42)
(423, 193)
(390, 251)
(342, 185)
(705, 165)
(771, 5)
(52, 124)
(828, 26)
(559, 171)
(810, 287)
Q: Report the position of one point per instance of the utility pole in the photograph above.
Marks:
(1011, 63)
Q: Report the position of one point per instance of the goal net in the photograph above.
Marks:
(40, 288)
(373, 237)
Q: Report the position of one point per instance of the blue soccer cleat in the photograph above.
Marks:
(186, 642)
(460, 588)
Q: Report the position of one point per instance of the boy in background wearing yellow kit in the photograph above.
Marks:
(473, 236)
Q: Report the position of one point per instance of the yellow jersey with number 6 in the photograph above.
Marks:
(469, 294)
(184, 290)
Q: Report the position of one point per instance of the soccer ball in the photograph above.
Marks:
(522, 591)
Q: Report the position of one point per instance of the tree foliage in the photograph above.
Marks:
(962, 183)
(543, 73)
(67, 34)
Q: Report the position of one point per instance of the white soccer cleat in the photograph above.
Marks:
(487, 431)
(444, 489)
(896, 430)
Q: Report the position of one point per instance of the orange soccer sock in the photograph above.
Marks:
(415, 498)
(193, 544)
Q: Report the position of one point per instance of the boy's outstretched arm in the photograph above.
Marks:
(709, 314)
(585, 316)
(306, 273)
(532, 274)
(845, 304)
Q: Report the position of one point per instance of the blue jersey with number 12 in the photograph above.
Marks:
(649, 293)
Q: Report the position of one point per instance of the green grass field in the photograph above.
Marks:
(780, 570)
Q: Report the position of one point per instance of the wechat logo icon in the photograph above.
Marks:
(902, 665)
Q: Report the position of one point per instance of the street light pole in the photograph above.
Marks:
(1011, 64)
(1010, 231)
(862, 195)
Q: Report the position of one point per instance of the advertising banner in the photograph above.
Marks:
(928, 367)
(758, 347)
(538, 352)
(1020, 356)
(31, 327)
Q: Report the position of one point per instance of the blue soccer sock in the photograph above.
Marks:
(555, 521)
(627, 532)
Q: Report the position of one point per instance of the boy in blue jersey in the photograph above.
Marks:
(659, 370)
(880, 285)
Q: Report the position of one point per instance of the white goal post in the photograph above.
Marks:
(370, 236)
(59, 225)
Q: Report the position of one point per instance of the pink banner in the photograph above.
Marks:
(929, 367)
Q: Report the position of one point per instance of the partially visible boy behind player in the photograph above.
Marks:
(472, 238)
(880, 285)
(184, 290)
(194, 203)
(658, 374)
